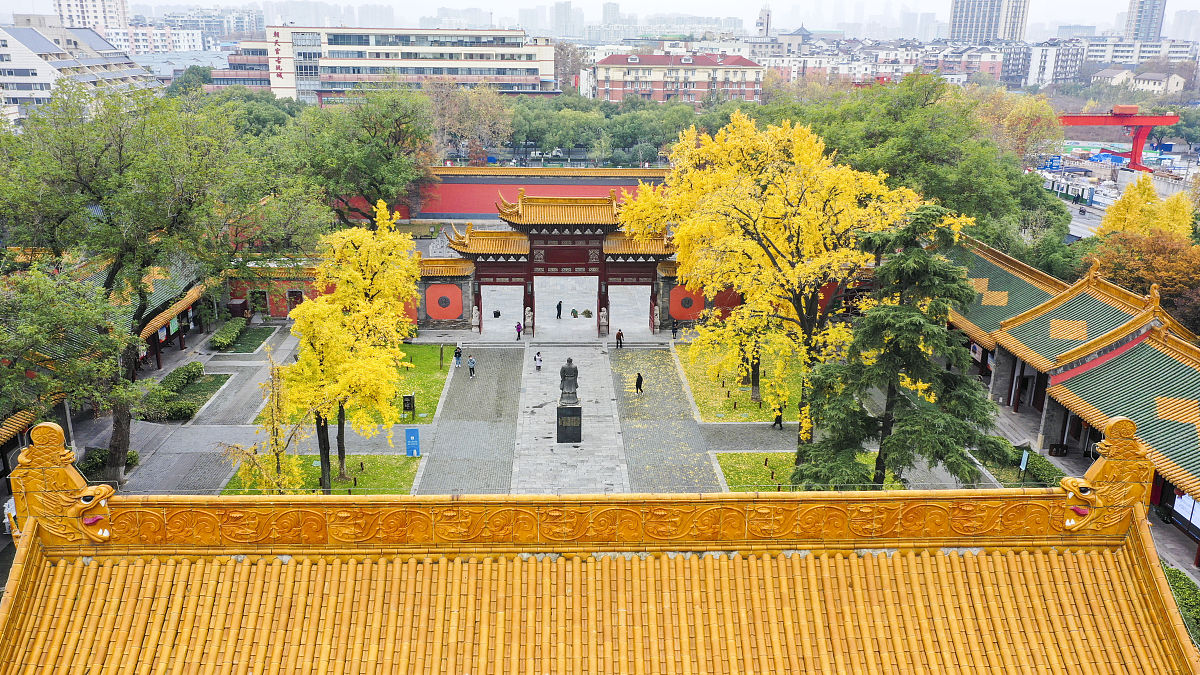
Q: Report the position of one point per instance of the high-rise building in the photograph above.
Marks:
(376, 16)
(762, 26)
(1186, 25)
(610, 14)
(983, 20)
(1075, 31)
(1145, 19)
(99, 15)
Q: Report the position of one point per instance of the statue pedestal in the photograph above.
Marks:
(570, 419)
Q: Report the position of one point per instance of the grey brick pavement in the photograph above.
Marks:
(664, 446)
(594, 466)
(472, 449)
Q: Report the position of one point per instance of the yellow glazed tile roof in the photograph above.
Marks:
(1050, 580)
(164, 317)
(446, 267)
(620, 243)
(559, 210)
(489, 242)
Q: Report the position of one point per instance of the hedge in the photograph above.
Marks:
(1043, 470)
(93, 462)
(1187, 596)
(182, 376)
(228, 334)
(163, 402)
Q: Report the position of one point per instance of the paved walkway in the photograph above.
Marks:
(542, 465)
(664, 445)
(473, 444)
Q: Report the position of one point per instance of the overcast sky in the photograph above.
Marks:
(787, 14)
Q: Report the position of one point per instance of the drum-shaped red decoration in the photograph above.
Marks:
(443, 301)
(686, 305)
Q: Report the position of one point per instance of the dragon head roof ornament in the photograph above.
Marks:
(47, 486)
(1103, 499)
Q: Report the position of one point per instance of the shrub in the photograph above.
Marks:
(228, 334)
(1043, 470)
(1187, 596)
(93, 462)
(182, 376)
(587, 313)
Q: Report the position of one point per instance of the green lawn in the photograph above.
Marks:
(250, 339)
(202, 388)
(425, 380)
(380, 474)
(746, 472)
(730, 402)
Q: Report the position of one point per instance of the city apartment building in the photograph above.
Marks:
(1135, 52)
(319, 65)
(218, 23)
(1049, 63)
(673, 77)
(1145, 19)
(99, 15)
(1158, 83)
(156, 40)
(977, 21)
(38, 52)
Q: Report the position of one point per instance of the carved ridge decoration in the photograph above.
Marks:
(676, 522)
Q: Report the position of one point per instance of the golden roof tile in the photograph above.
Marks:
(899, 581)
(446, 267)
(559, 210)
(489, 242)
(164, 317)
(621, 243)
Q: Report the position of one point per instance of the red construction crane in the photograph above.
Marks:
(1123, 116)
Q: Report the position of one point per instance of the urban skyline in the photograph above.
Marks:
(1103, 13)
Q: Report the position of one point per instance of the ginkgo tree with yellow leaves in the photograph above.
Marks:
(351, 357)
(765, 212)
(271, 466)
(1140, 210)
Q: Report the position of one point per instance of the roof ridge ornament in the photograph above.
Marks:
(47, 486)
(1103, 500)
(1153, 300)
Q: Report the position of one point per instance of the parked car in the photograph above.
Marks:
(557, 152)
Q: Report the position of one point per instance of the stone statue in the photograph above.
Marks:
(654, 318)
(475, 316)
(569, 383)
(528, 318)
(604, 320)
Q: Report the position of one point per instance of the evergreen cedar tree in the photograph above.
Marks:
(932, 408)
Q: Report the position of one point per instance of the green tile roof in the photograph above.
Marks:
(1129, 386)
(1022, 295)
(182, 275)
(1100, 317)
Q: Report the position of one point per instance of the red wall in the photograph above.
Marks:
(475, 199)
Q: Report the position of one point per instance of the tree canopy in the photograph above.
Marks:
(903, 353)
(1140, 210)
(767, 214)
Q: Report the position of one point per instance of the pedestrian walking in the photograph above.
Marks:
(620, 338)
(778, 423)
(558, 310)
(471, 365)
(458, 355)
(637, 384)
(537, 362)
(674, 329)
(519, 330)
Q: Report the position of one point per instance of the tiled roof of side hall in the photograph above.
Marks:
(1153, 379)
(1091, 307)
(530, 210)
(1004, 288)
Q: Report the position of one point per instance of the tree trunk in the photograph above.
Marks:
(803, 443)
(341, 442)
(885, 430)
(744, 379)
(118, 443)
(755, 363)
(323, 449)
